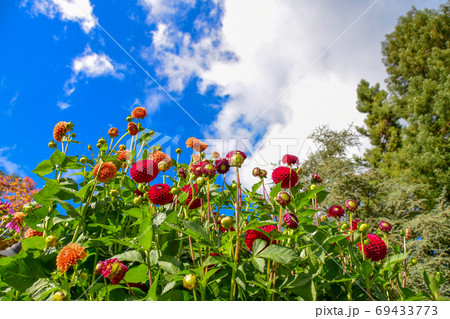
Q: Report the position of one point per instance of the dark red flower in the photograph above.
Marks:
(159, 194)
(188, 189)
(385, 226)
(182, 172)
(253, 234)
(144, 171)
(290, 159)
(351, 205)
(222, 166)
(290, 220)
(376, 250)
(208, 169)
(287, 176)
(112, 269)
(316, 178)
(232, 153)
(336, 211)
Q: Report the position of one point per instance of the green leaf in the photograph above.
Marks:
(134, 212)
(57, 157)
(256, 186)
(146, 233)
(255, 224)
(43, 168)
(21, 274)
(394, 259)
(41, 288)
(366, 269)
(279, 254)
(275, 190)
(137, 274)
(258, 263)
(86, 189)
(152, 291)
(258, 245)
(197, 229)
(36, 242)
(431, 283)
(130, 255)
(98, 242)
(169, 264)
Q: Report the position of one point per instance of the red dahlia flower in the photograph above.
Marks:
(376, 250)
(385, 226)
(290, 220)
(290, 159)
(159, 194)
(287, 176)
(222, 166)
(144, 171)
(351, 205)
(316, 178)
(252, 235)
(112, 269)
(336, 211)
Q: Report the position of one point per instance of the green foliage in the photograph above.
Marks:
(407, 123)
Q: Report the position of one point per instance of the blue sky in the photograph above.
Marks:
(225, 62)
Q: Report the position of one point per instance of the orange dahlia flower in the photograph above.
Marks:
(68, 256)
(159, 156)
(139, 112)
(113, 132)
(32, 233)
(132, 128)
(107, 171)
(59, 131)
(192, 142)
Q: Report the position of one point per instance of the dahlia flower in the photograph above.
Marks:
(69, 255)
(112, 269)
(287, 176)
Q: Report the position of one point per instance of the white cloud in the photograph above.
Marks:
(9, 166)
(80, 11)
(160, 9)
(274, 44)
(63, 105)
(92, 65)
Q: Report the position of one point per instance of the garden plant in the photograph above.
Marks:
(117, 234)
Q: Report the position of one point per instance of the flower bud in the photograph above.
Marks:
(408, 233)
(364, 228)
(313, 187)
(174, 191)
(59, 296)
(323, 218)
(299, 171)
(227, 222)
(84, 276)
(190, 281)
(367, 241)
(263, 173)
(283, 198)
(256, 172)
(50, 241)
(344, 226)
(52, 144)
(137, 201)
(200, 181)
(89, 147)
(83, 159)
(236, 160)
(129, 119)
(69, 126)
(114, 193)
(178, 150)
(412, 261)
